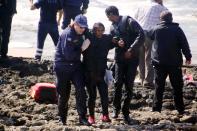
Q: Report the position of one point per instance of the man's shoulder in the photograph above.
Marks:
(157, 6)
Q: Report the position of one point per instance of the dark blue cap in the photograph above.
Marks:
(81, 20)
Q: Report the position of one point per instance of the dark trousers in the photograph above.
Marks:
(94, 80)
(125, 73)
(63, 78)
(5, 27)
(69, 13)
(43, 30)
(176, 79)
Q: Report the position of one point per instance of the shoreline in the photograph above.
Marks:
(48, 54)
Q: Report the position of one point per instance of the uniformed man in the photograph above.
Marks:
(67, 67)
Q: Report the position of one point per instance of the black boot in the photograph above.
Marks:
(84, 121)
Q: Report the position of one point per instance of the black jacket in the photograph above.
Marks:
(95, 56)
(169, 42)
(7, 7)
(131, 33)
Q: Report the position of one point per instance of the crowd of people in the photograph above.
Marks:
(150, 40)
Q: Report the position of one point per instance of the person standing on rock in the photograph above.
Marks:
(72, 8)
(148, 17)
(47, 24)
(7, 10)
(169, 43)
(67, 67)
(131, 35)
(95, 63)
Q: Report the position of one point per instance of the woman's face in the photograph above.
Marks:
(99, 31)
(78, 29)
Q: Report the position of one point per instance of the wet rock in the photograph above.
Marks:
(168, 105)
(18, 111)
(38, 123)
(189, 119)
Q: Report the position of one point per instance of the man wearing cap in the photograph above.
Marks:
(7, 10)
(67, 67)
(72, 8)
(169, 43)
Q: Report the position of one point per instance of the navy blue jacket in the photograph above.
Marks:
(7, 7)
(48, 10)
(75, 3)
(95, 56)
(169, 42)
(68, 50)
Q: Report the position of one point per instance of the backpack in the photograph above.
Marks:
(44, 92)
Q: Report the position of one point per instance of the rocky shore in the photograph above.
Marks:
(19, 112)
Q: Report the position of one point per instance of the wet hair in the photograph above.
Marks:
(166, 16)
(97, 25)
(112, 10)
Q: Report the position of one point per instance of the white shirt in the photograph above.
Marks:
(149, 15)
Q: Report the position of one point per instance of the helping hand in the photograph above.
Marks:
(127, 55)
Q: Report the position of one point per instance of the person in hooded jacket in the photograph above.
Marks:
(169, 43)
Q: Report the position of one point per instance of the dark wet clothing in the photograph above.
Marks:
(169, 42)
(7, 10)
(95, 63)
(125, 69)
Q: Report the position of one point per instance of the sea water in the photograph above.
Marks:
(24, 29)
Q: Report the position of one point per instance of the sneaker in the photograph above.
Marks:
(37, 58)
(91, 119)
(105, 118)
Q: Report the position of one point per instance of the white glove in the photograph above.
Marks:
(85, 44)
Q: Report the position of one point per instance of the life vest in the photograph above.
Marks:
(44, 92)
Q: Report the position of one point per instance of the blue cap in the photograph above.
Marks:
(81, 20)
